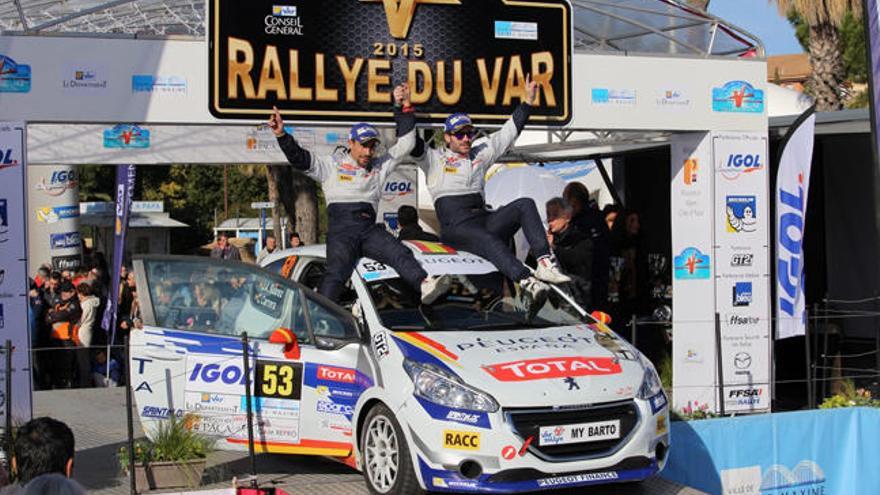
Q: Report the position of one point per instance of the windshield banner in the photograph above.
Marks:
(458, 56)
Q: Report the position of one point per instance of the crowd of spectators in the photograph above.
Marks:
(66, 308)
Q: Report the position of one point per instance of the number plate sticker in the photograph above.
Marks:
(278, 380)
(579, 433)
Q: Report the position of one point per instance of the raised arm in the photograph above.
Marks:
(502, 140)
(298, 157)
(405, 118)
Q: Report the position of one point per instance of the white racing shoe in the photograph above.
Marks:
(548, 271)
(535, 292)
(434, 287)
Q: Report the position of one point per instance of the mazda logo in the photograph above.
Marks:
(742, 360)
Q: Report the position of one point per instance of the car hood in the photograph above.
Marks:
(570, 365)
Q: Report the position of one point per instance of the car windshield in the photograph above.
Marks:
(473, 303)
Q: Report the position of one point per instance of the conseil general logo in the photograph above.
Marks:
(400, 13)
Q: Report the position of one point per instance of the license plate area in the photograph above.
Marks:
(579, 433)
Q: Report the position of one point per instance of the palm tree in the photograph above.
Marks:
(824, 18)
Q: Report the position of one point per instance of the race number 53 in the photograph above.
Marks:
(278, 380)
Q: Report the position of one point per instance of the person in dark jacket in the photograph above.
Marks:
(410, 230)
(63, 320)
(573, 249)
(589, 220)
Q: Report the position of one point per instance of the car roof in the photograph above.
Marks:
(435, 257)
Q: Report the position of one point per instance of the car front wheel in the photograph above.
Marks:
(388, 467)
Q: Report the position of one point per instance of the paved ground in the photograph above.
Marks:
(97, 417)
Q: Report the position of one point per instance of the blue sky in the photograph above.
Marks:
(760, 18)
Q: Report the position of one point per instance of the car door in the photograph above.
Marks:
(188, 360)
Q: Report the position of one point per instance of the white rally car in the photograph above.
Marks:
(483, 391)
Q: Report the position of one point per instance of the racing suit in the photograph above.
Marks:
(352, 193)
(456, 183)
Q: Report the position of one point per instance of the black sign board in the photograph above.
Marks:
(339, 60)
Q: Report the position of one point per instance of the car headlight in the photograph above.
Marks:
(651, 384)
(438, 386)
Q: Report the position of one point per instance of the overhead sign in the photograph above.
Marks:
(458, 56)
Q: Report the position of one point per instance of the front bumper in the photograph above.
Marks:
(527, 480)
(507, 463)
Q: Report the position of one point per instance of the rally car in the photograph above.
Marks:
(485, 390)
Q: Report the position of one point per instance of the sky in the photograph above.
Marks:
(760, 18)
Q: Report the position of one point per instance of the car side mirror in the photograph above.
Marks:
(601, 317)
(287, 338)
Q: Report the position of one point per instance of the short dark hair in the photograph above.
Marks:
(223, 234)
(407, 215)
(270, 236)
(42, 446)
(294, 234)
(84, 289)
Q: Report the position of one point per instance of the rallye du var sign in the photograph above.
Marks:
(339, 60)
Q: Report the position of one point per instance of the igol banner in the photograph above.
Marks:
(339, 60)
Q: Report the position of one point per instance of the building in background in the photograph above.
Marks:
(149, 227)
(789, 71)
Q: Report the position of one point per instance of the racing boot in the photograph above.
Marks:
(434, 287)
(548, 271)
(534, 292)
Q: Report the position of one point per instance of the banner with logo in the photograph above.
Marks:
(693, 300)
(792, 186)
(822, 452)
(458, 55)
(125, 176)
(14, 318)
(400, 189)
(742, 275)
(53, 216)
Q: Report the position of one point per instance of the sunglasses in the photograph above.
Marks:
(464, 134)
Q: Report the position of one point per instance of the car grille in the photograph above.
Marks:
(527, 422)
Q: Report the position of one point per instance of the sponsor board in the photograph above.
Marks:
(126, 136)
(158, 85)
(742, 214)
(59, 182)
(52, 215)
(461, 440)
(516, 30)
(692, 264)
(738, 397)
(606, 96)
(740, 260)
(561, 367)
(15, 77)
(254, 47)
(69, 262)
(672, 98)
(738, 97)
(64, 240)
(742, 294)
(737, 164)
(84, 79)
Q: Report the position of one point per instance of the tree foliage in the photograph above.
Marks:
(192, 194)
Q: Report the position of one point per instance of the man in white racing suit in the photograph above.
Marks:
(456, 177)
(352, 184)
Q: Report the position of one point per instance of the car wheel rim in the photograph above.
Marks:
(381, 454)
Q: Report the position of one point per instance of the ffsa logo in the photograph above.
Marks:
(6, 159)
(400, 13)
